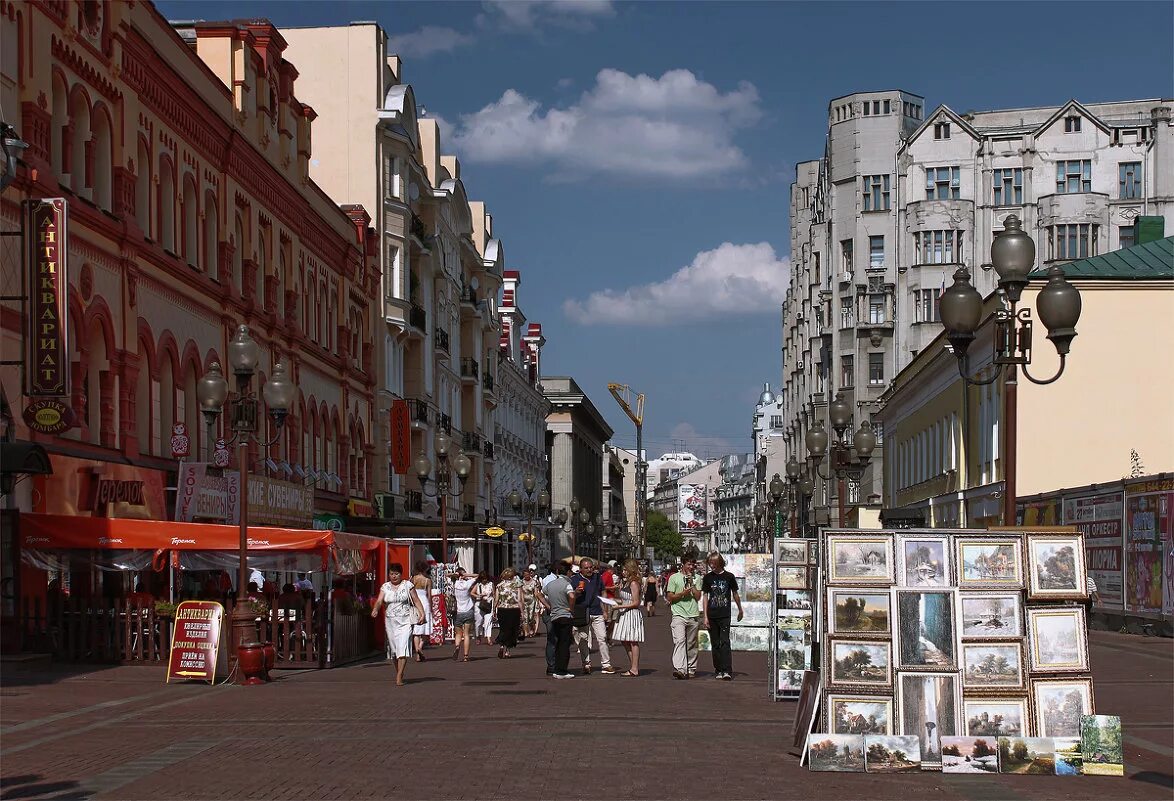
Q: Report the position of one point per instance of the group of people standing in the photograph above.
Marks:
(580, 605)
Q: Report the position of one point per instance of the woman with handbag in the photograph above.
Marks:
(507, 611)
(404, 611)
(483, 612)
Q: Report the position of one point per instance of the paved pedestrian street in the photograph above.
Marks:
(498, 729)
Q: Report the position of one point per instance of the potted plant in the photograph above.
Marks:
(165, 610)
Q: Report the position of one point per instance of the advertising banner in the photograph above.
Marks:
(195, 641)
(47, 364)
(1148, 546)
(280, 503)
(691, 507)
(204, 496)
(1099, 518)
(401, 438)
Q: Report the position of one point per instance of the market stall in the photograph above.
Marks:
(103, 589)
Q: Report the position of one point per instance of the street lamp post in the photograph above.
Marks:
(531, 507)
(460, 465)
(844, 465)
(1058, 305)
(244, 356)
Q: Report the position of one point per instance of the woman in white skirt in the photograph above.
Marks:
(483, 610)
(422, 633)
(629, 627)
(400, 599)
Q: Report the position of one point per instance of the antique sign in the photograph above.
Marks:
(195, 641)
(401, 438)
(47, 365)
(48, 416)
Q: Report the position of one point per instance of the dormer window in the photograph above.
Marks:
(1072, 124)
(941, 130)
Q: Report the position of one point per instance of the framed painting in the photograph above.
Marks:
(859, 559)
(1059, 704)
(985, 563)
(792, 551)
(1057, 640)
(892, 753)
(793, 578)
(862, 663)
(858, 611)
(995, 717)
(969, 755)
(793, 656)
(1028, 755)
(994, 666)
(930, 707)
(839, 753)
(1056, 568)
(794, 619)
(796, 599)
(860, 714)
(924, 561)
(926, 629)
(990, 615)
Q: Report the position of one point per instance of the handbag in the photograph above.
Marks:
(417, 618)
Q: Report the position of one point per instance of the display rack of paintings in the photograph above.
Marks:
(791, 576)
(754, 573)
(970, 645)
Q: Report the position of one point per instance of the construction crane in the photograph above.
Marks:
(623, 395)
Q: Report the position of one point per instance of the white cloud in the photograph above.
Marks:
(674, 126)
(426, 41)
(699, 444)
(529, 15)
(729, 280)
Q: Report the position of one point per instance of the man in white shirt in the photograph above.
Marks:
(463, 621)
(303, 583)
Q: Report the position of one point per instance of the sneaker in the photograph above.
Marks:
(728, 676)
(678, 674)
(609, 670)
(564, 675)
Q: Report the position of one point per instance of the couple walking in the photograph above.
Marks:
(694, 602)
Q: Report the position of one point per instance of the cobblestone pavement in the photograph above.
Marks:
(499, 729)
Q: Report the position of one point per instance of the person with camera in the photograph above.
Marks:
(683, 591)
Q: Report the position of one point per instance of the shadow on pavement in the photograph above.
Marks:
(31, 786)
(1153, 777)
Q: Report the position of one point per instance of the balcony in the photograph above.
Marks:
(470, 370)
(468, 302)
(441, 339)
(488, 451)
(468, 513)
(444, 423)
(419, 413)
(419, 232)
(414, 502)
(418, 319)
(471, 442)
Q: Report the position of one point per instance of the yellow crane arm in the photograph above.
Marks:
(623, 394)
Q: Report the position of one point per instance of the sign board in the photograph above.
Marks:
(495, 531)
(47, 364)
(48, 416)
(181, 443)
(205, 495)
(1099, 518)
(691, 507)
(1149, 543)
(401, 438)
(195, 641)
(358, 507)
(280, 503)
(384, 505)
(328, 522)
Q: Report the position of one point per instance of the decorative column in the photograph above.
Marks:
(127, 366)
(107, 435)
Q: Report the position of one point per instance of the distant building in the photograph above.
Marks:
(669, 466)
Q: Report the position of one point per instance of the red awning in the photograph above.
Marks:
(56, 532)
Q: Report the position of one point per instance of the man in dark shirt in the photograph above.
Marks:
(719, 592)
(589, 588)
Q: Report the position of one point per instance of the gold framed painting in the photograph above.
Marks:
(996, 717)
(859, 714)
(989, 563)
(924, 561)
(860, 559)
(1056, 569)
(1057, 640)
(993, 667)
(858, 611)
(1058, 705)
(860, 663)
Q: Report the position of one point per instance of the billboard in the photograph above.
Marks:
(1099, 518)
(692, 507)
(1149, 547)
(47, 361)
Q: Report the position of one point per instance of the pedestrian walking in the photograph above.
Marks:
(1094, 597)
(403, 610)
(629, 628)
(551, 576)
(558, 598)
(423, 588)
(507, 611)
(530, 605)
(683, 592)
(483, 611)
(462, 585)
(719, 593)
(588, 590)
(649, 583)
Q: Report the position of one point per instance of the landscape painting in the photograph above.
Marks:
(924, 562)
(993, 666)
(797, 599)
(790, 680)
(756, 586)
(860, 714)
(1056, 568)
(995, 717)
(1056, 639)
(755, 613)
(1032, 755)
(791, 637)
(860, 560)
(970, 755)
(841, 753)
(858, 611)
(866, 662)
(1059, 704)
(792, 552)
(1100, 745)
(930, 708)
(991, 615)
(990, 563)
(750, 638)
(893, 753)
(1069, 757)
(926, 634)
(794, 619)
(794, 657)
(792, 578)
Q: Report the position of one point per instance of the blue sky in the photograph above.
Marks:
(637, 156)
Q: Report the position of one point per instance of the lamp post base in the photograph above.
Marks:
(244, 630)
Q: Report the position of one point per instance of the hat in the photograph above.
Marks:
(532, 567)
(612, 563)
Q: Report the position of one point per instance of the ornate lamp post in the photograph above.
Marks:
(845, 466)
(244, 355)
(446, 472)
(1058, 305)
(531, 508)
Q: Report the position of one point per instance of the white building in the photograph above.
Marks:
(668, 467)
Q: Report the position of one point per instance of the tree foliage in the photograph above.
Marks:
(662, 536)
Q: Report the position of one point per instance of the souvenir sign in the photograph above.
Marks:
(195, 641)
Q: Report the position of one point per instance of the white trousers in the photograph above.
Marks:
(594, 633)
(482, 622)
(684, 631)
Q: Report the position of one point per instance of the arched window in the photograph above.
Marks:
(238, 254)
(166, 400)
(143, 188)
(102, 151)
(58, 143)
(191, 238)
(79, 121)
(211, 236)
(262, 267)
(279, 288)
(191, 407)
(308, 317)
(166, 204)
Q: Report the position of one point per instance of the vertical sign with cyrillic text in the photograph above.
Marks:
(401, 438)
(47, 368)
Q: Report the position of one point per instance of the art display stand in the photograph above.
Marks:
(793, 647)
(755, 588)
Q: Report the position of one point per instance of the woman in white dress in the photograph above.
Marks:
(629, 627)
(400, 599)
(422, 633)
(483, 611)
